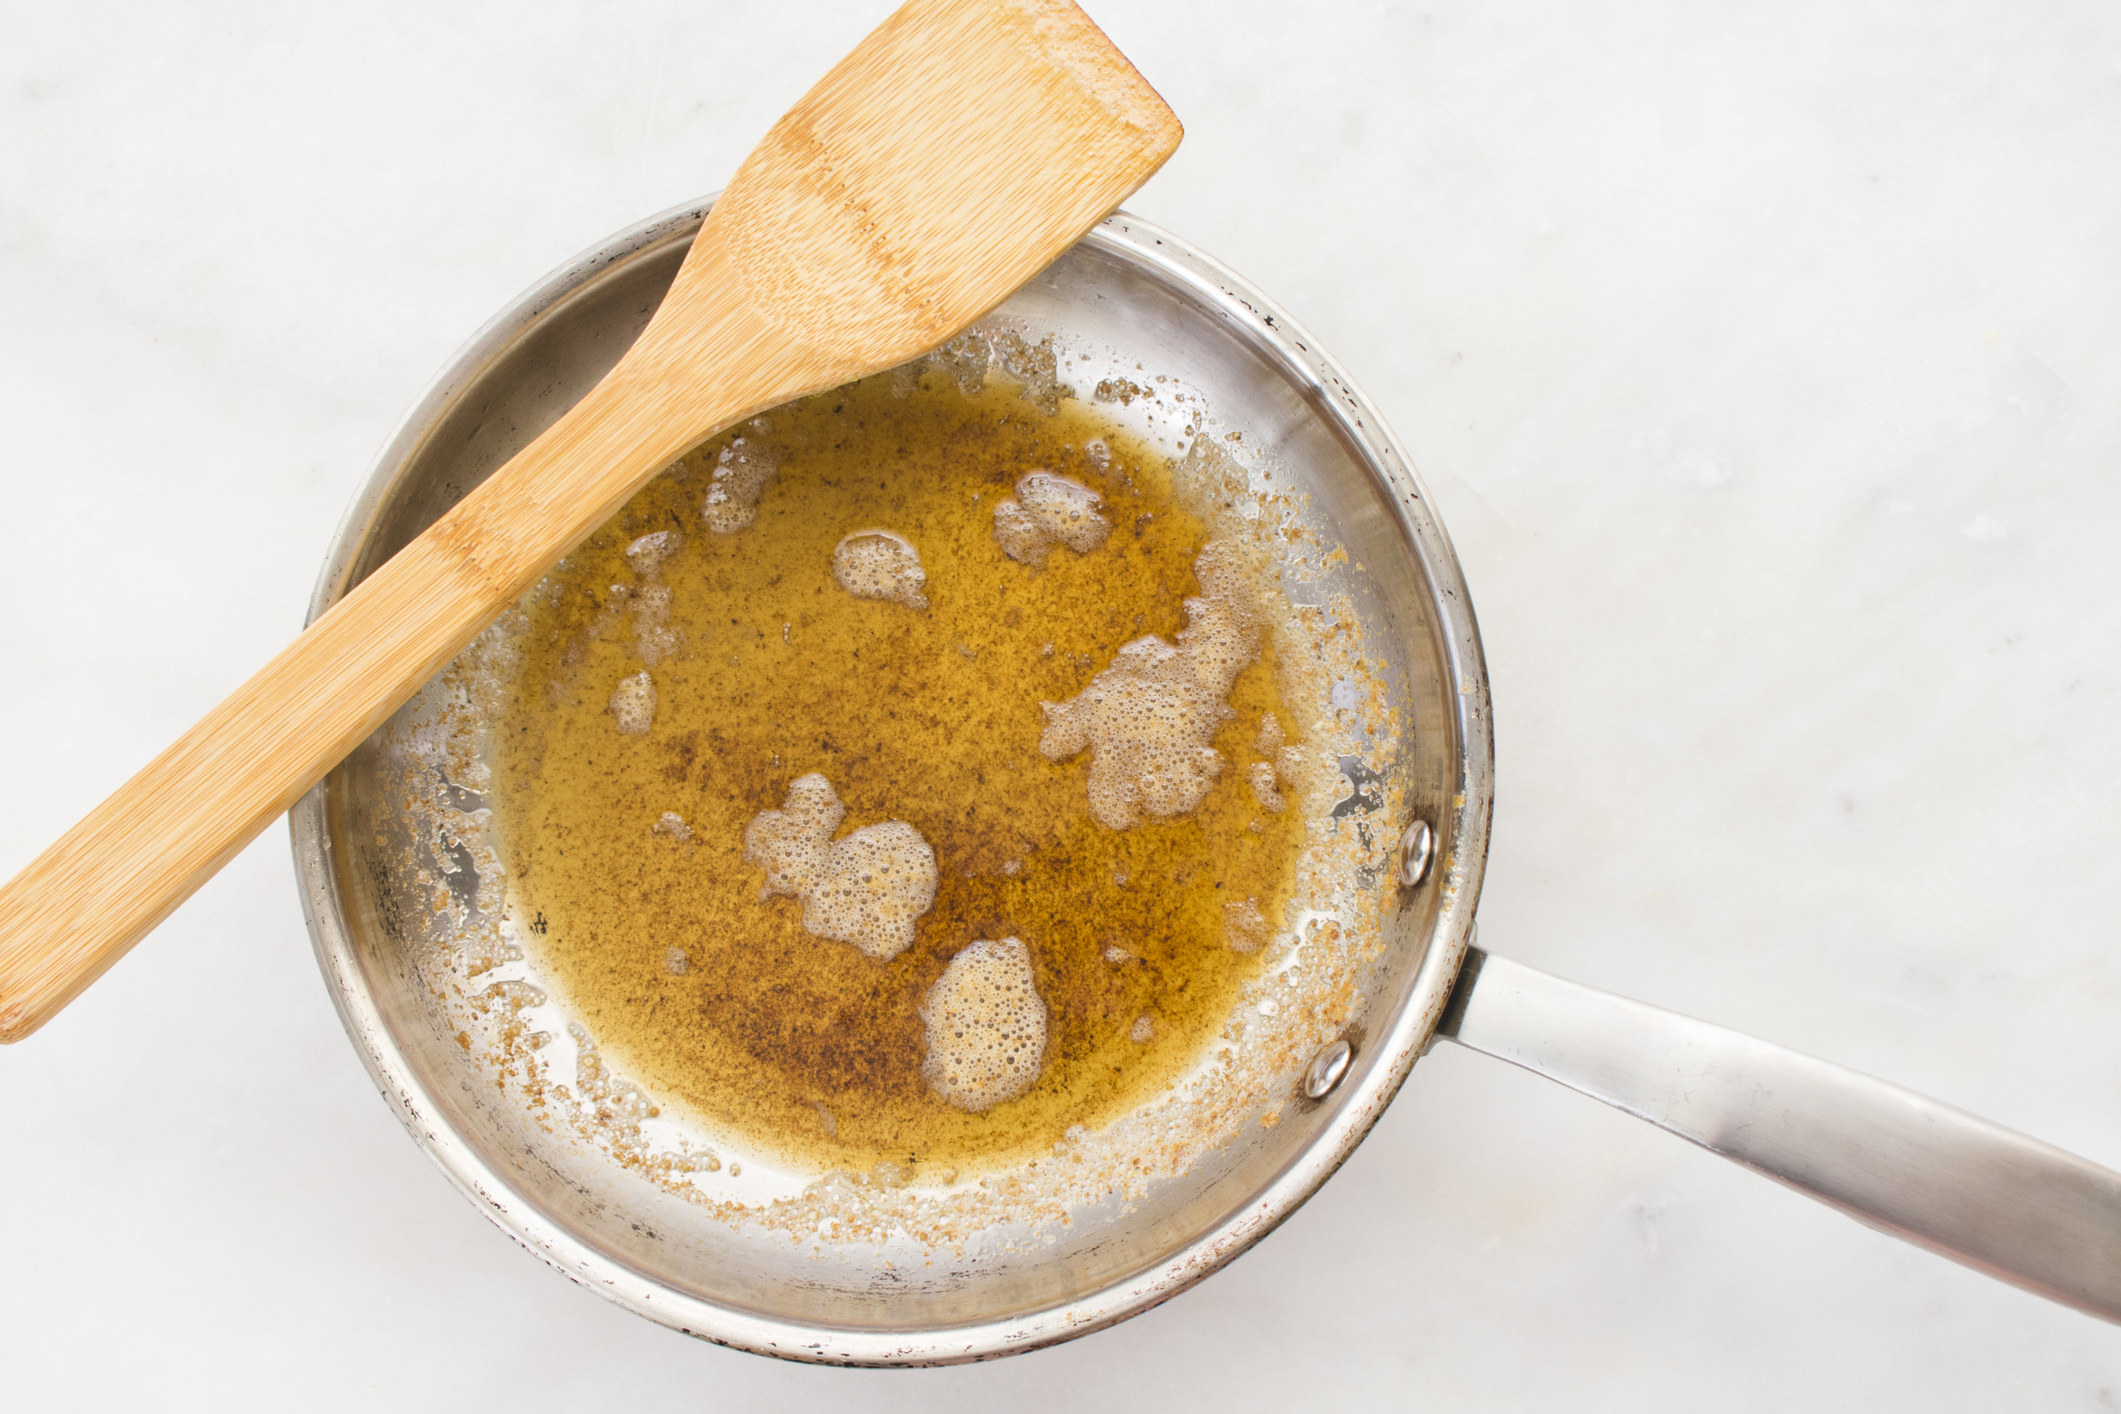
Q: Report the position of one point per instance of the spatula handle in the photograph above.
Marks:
(1939, 1177)
(81, 904)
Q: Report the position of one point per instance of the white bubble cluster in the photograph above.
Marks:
(1282, 769)
(1270, 736)
(986, 1026)
(740, 476)
(867, 889)
(654, 636)
(1209, 471)
(673, 824)
(647, 554)
(1245, 928)
(633, 703)
(877, 564)
(964, 360)
(1264, 787)
(1045, 509)
(1035, 367)
(1148, 719)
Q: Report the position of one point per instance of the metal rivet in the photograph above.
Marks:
(1417, 849)
(1327, 1069)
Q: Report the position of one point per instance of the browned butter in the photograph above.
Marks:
(715, 999)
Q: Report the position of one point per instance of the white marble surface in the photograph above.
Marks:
(1766, 362)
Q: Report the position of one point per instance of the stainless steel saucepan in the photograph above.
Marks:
(1971, 1190)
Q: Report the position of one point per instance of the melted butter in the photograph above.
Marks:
(716, 999)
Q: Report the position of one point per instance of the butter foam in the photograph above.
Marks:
(986, 1026)
(867, 889)
(633, 704)
(740, 476)
(1147, 720)
(1049, 509)
(877, 564)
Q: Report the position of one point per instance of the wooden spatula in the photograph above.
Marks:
(958, 150)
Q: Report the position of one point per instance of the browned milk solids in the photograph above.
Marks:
(628, 796)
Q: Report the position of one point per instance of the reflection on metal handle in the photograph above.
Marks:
(1978, 1193)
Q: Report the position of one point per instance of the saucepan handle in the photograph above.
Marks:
(1976, 1192)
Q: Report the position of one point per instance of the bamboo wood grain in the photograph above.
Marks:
(958, 150)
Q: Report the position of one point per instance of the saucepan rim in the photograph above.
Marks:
(1267, 328)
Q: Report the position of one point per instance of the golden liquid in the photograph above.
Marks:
(803, 1046)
